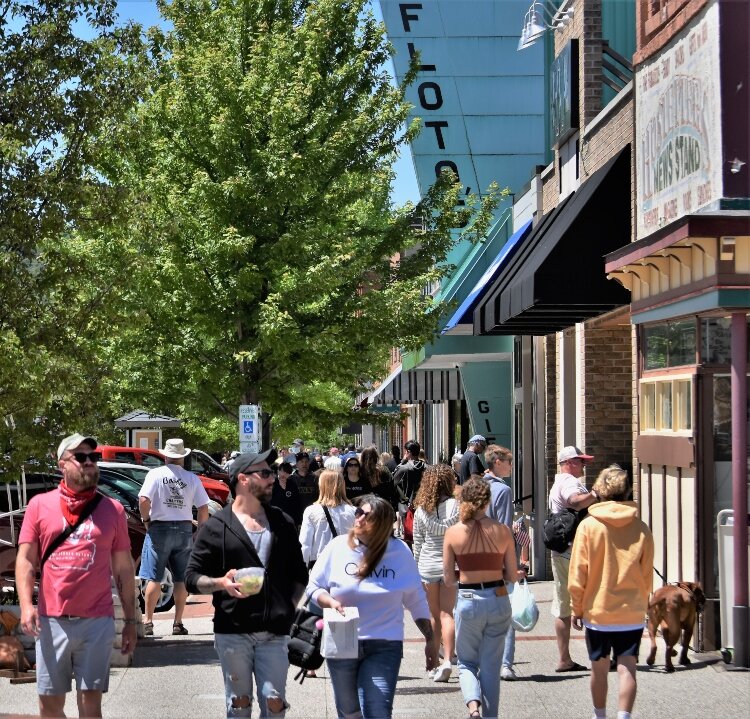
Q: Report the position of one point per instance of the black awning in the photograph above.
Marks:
(416, 385)
(557, 277)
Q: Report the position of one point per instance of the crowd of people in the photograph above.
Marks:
(352, 529)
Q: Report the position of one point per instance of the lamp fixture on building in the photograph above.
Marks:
(535, 22)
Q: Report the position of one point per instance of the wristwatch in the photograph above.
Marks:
(145, 520)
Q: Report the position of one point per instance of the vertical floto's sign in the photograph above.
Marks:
(678, 127)
(250, 434)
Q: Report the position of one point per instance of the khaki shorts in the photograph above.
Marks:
(560, 597)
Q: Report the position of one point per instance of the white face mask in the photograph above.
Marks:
(294, 450)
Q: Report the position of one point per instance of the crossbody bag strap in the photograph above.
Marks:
(330, 522)
(60, 538)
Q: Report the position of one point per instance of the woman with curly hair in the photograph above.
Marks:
(375, 572)
(436, 510)
(486, 556)
(378, 476)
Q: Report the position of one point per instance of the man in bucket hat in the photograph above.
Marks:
(251, 621)
(78, 539)
(166, 503)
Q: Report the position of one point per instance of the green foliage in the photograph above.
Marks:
(59, 94)
(272, 266)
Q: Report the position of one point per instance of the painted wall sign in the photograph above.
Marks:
(564, 93)
(678, 127)
(481, 102)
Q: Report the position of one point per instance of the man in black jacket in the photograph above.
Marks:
(251, 624)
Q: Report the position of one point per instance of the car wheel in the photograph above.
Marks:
(166, 598)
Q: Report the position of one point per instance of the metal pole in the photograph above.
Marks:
(740, 610)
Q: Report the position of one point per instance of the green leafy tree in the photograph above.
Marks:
(59, 94)
(277, 270)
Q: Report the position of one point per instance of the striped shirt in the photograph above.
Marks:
(429, 530)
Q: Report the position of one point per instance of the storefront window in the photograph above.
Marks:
(669, 344)
(716, 340)
(667, 405)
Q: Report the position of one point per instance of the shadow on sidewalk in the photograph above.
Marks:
(175, 653)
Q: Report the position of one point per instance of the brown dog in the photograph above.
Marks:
(674, 609)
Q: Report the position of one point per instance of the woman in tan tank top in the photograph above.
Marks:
(485, 553)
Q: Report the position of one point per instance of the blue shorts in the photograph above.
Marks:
(167, 543)
(602, 643)
(73, 647)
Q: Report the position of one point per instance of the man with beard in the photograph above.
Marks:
(78, 539)
(251, 622)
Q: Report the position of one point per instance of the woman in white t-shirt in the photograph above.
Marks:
(371, 570)
(436, 510)
(315, 531)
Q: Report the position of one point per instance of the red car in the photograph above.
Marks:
(213, 482)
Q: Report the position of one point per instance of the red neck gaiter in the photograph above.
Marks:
(72, 502)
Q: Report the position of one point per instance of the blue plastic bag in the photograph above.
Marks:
(524, 608)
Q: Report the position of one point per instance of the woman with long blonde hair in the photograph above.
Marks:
(436, 510)
(331, 510)
(486, 556)
(375, 572)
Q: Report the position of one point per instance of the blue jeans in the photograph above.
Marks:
(510, 638)
(243, 656)
(482, 620)
(363, 688)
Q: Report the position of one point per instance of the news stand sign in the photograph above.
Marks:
(250, 434)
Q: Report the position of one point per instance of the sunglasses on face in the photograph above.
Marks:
(81, 457)
(265, 473)
(359, 512)
(353, 464)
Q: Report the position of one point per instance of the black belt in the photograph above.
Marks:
(482, 585)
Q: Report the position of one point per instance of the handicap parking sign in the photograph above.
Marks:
(247, 427)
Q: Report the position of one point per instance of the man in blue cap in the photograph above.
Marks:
(470, 462)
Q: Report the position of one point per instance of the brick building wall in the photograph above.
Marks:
(607, 394)
(658, 21)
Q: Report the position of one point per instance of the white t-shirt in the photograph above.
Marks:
(381, 598)
(173, 492)
(565, 487)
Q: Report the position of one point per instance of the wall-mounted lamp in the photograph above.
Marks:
(735, 165)
(539, 19)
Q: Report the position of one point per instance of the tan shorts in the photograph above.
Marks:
(560, 596)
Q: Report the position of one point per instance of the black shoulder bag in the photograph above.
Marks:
(60, 538)
(304, 636)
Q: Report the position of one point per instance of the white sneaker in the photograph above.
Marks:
(508, 674)
(442, 673)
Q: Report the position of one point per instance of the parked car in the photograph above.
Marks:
(215, 486)
(204, 464)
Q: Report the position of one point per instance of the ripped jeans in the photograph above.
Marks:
(262, 655)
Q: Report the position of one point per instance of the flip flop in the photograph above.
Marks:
(575, 667)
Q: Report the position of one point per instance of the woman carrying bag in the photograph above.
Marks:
(486, 556)
(371, 570)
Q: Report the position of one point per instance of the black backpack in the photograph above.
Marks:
(559, 529)
(304, 642)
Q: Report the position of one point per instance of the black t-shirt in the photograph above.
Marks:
(308, 488)
(287, 499)
(357, 489)
(470, 464)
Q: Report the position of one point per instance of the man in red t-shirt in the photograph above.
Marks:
(74, 622)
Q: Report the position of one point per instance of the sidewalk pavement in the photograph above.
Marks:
(180, 677)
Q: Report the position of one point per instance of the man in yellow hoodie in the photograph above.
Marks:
(610, 579)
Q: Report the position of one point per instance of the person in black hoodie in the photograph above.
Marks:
(408, 475)
(250, 628)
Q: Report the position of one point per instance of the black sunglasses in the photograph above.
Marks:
(81, 457)
(359, 512)
(265, 473)
(353, 464)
